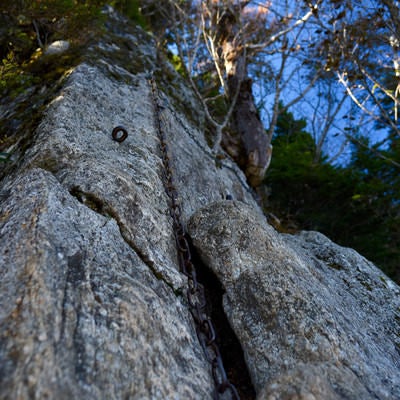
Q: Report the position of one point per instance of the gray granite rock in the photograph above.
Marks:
(91, 302)
(81, 315)
(316, 320)
(57, 47)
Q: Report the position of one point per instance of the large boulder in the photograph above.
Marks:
(315, 320)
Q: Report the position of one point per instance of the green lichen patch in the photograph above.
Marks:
(335, 265)
(30, 78)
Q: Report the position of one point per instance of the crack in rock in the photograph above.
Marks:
(101, 207)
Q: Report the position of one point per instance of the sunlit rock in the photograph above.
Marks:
(57, 47)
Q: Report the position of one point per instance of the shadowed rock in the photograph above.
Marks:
(315, 320)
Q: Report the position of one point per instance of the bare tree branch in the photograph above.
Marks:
(275, 37)
(36, 27)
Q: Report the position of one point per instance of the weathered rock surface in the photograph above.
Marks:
(91, 302)
(82, 317)
(316, 320)
(90, 298)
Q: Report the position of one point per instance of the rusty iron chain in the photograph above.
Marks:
(195, 291)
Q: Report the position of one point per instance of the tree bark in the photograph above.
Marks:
(247, 142)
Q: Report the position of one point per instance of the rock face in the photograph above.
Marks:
(315, 320)
(82, 316)
(91, 300)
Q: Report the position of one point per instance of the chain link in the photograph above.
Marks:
(116, 136)
(195, 291)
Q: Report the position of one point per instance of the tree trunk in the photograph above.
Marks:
(248, 143)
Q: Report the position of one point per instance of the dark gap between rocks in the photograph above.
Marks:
(89, 200)
(228, 343)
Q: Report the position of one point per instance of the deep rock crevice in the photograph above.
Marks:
(297, 322)
(229, 344)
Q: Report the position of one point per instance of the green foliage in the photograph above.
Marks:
(378, 196)
(357, 206)
(27, 25)
(295, 145)
(297, 183)
(27, 75)
(177, 63)
(131, 9)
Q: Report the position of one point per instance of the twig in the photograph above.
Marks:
(36, 27)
